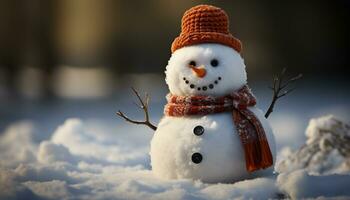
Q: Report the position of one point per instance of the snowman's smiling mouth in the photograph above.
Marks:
(205, 87)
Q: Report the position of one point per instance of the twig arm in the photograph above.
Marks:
(270, 109)
(144, 106)
(278, 89)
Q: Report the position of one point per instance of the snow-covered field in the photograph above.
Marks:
(81, 160)
(100, 158)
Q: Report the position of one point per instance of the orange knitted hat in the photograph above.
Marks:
(205, 24)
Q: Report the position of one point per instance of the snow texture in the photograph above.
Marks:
(327, 149)
(76, 163)
(299, 184)
(83, 160)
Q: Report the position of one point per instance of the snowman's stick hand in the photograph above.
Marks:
(279, 87)
(144, 106)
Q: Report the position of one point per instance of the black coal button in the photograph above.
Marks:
(197, 158)
(198, 130)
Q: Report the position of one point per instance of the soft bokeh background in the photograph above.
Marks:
(66, 67)
(78, 58)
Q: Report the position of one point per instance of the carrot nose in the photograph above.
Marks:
(199, 71)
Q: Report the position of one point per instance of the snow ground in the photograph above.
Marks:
(84, 160)
(78, 163)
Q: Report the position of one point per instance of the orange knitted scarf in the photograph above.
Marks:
(256, 148)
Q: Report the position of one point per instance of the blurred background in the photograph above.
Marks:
(79, 58)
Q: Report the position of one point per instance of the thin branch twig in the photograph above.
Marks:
(144, 106)
(279, 87)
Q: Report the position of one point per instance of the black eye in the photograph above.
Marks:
(214, 63)
(192, 63)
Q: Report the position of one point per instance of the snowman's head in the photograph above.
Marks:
(205, 69)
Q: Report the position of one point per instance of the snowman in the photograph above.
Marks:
(211, 130)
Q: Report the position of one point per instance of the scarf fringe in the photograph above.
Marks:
(257, 155)
(266, 155)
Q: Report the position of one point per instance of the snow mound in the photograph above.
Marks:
(327, 149)
(17, 144)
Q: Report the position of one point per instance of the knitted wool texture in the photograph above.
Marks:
(205, 24)
(253, 138)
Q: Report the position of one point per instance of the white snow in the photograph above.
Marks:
(50, 152)
(299, 184)
(327, 149)
(96, 147)
(317, 127)
(56, 168)
(49, 189)
(76, 163)
(16, 144)
(259, 188)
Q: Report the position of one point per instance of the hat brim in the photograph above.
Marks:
(206, 37)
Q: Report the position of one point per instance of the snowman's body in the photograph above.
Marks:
(175, 142)
(212, 137)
